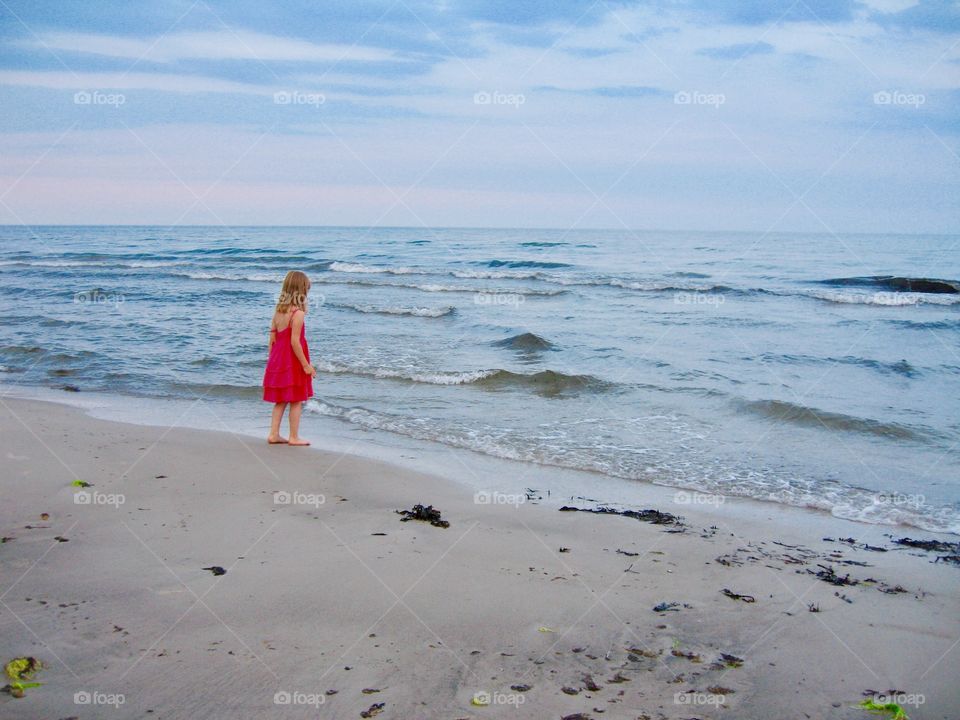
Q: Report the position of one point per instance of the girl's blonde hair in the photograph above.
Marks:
(296, 285)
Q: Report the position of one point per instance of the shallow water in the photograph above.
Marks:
(791, 368)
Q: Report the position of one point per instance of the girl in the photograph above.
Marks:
(288, 379)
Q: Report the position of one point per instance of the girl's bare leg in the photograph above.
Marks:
(274, 436)
(296, 410)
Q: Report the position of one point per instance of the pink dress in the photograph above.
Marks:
(284, 379)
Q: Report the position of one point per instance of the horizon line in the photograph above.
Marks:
(480, 227)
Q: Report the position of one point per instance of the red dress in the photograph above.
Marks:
(284, 379)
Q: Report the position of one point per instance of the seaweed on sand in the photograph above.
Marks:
(665, 606)
(929, 545)
(728, 661)
(428, 514)
(827, 574)
(892, 710)
(19, 670)
(373, 710)
(657, 517)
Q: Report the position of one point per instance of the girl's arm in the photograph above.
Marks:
(273, 334)
(295, 324)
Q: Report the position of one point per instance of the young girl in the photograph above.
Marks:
(288, 377)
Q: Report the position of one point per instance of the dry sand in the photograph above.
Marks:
(343, 606)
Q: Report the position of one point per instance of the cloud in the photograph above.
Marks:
(222, 45)
(764, 12)
(537, 12)
(940, 16)
(736, 52)
(589, 53)
(621, 91)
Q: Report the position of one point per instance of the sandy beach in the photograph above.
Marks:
(330, 606)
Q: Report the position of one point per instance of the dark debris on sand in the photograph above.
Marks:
(373, 710)
(929, 545)
(828, 574)
(657, 517)
(951, 548)
(428, 514)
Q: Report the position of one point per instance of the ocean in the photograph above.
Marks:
(814, 370)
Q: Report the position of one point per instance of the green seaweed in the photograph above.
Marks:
(892, 709)
(22, 668)
(81, 483)
(18, 670)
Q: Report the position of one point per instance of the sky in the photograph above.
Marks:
(833, 116)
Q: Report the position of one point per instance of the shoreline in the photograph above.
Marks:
(341, 597)
(432, 457)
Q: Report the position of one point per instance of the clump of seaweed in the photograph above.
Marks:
(929, 545)
(428, 514)
(828, 574)
(657, 517)
(373, 710)
(892, 710)
(666, 606)
(728, 661)
(19, 670)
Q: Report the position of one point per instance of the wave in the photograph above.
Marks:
(255, 277)
(498, 275)
(345, 267)
(890, 299)
(526, 264)
(526, 342)
(901, 367)
(900, 284)
(783, 411)
(926, 325)
(411, 311)
(439, 287)
(106, 264)
(542, 244)
(548, 383)
(683, 274)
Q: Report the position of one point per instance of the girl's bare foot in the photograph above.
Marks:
(277, 440)
(298, 441)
